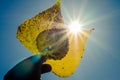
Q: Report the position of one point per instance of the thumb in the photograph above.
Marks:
(45, 68)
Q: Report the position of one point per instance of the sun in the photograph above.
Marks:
(75, 27)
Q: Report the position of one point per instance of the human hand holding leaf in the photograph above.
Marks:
(45, 34)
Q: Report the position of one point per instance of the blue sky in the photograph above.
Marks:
(101, 60)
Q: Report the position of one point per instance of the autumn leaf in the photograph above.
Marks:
(45, 34)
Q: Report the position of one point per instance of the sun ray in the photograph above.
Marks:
(101, 18)
(67, 15)
(82, 9)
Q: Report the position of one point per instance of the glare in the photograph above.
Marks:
(75, 27)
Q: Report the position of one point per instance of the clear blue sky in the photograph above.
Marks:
(101, 60)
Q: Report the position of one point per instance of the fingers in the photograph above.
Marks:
(45, 68)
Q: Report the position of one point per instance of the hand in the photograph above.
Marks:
(28, 69)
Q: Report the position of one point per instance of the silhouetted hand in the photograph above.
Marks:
(28, 69)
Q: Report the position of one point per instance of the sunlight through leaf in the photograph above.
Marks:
(45, 34)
